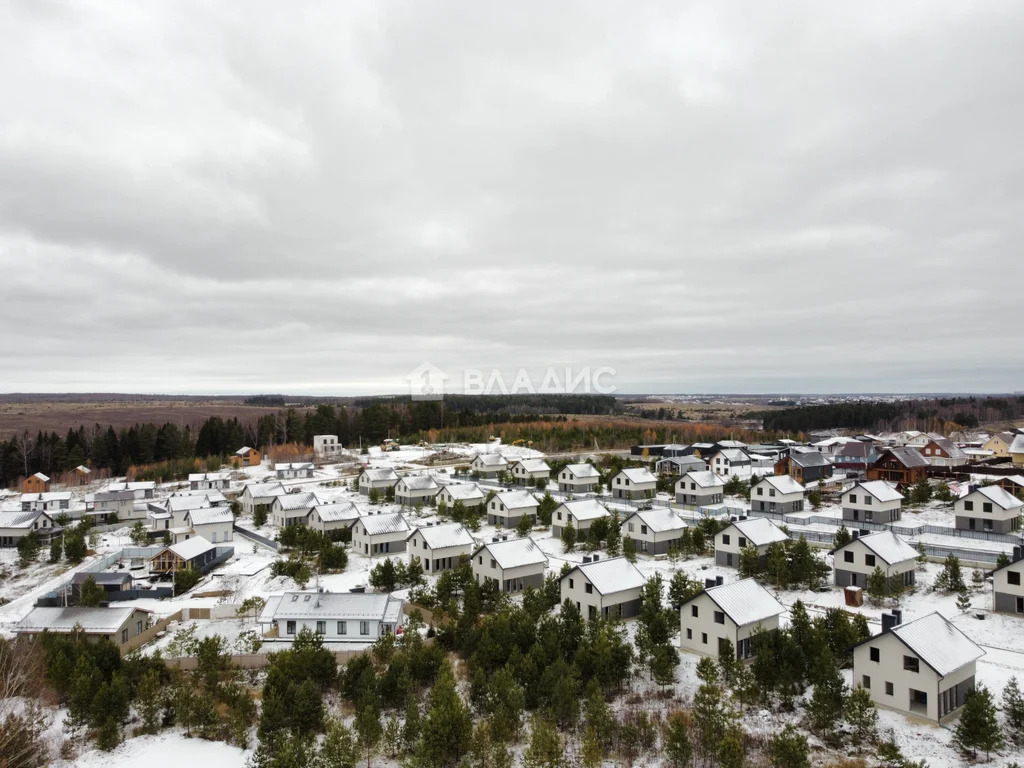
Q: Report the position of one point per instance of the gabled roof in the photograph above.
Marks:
(734, 455)
(377, 525)
(491, 459)
(582, 471)
(585, 509)
(616, 574)
(908, 457)
(333, 605)
(940, 645)
(880, 489)
(189, 548)
(297, 501)
(759, 531)
(534, 465)
(20, 519)
(810, 459)
(377, 475)
(855, 450)
(515, 553)
(658, 519)
(418, 483)
(952, 449)
(263, 490)
(210, 515)
(295, 466)
(91, 620)
(997, 495)
(517, 499)
(41, 476)
(782, 484)
(745, 602)
(83, 469)
(336, 513)
(243, 450)
(704, 479)
(886, 545)
(638, 475)
(446, 535)
(1017, 446)
(464, 491)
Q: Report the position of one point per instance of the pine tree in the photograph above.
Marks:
(448, 727)
(568, 537)
(978, 727)
(592, 753)
(841, 538)
(789, 749)
(393, 736)
(368, 730)
(545, 749)
(862, 716)
(629, 548)
(730, 752)
(750, 562)
(337, 750)
(149, 697)
(613, 538)
(411, 726)
(676, 741)
(681, 588)
(825, 707)
(710, 716)
(877, 585)
(777, 564)
(951, 578)
(1013, 710)
(90, 594)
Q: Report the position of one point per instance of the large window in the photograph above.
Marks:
(342, 627)
(290, 628)
(875, 654)
(364, 627)
(911, 664)
(719, 617)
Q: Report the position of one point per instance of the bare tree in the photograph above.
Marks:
(24, 446)
(21, 677)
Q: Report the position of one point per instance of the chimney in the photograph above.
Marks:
(864, 531)
(855, 534)
(1018, 553)
(710, 583)
(596, 557)
(719, 581)
(897, 614)
(587, 559)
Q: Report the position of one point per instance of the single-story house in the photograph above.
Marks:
(248, 457)
(259, 496)
(777, 493)
(514, 563)
(118, 624)
(379, 534)
(700, 488)
(654, 531)
(608, 589)
(439, 547)
(468, 493)
(924, 667)
(81, 474)
(633, 483)
(581, 513)
(578, 478)
(377, 480)
(294, 470)
(679, 465)
(208, 481)
(988, 509)
(506, 509)
(336, 616)
(873, 501)
(489, 464)
(856, 560)
(757, 532)
(733, 612)
(52, 501)
(17, 524)
(416, 489)
(333, 517)
(143, 489)
(525, 470)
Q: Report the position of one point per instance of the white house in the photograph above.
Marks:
(327, 518)
(525, 470)
(260, 496)
(117, 624)
(733, 612)
(855, 561)
(505, 509)
(513, 563)
(439, 547)
(468, 493)
(654, 531)
(699, 489)
(416, 489)
(777, 493)
(143, 489)
(293, 508)
(17, 524)
(215, 524)
(209, 481)
(581, 513)
(757, 532)
(377, 479)
(606, 588)
(1016, 451)
(337, 617)
(294, 470)
(988, 509)
(730, 461)
(924, 667)
(379, 534)
(489, 464)
(50, 501)
(874, 501)
(326, 447)
(634, 483)
(1008, 586)
(578, 478)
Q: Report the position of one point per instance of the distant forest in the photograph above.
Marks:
(940, 415)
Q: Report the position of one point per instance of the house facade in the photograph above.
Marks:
(37, 483)
(293, 508)
(634, 483)
(118, 625)
(377, 480)
(488, 465)
(804, 466)
(335, 617)
(855, 561)
(413, 490)
(943, 452)
(329, 518)
(248, 457)
(295, 470)
(730, 461)
(679, 465)
(440, 547)
(989, 509)
(526, 470)
(757, 532)
(999, 444)
(873, 501)
(16, 525)
(326, 447)
(777, 494)
(654, 531)
(578, 478)
(379, 534)
(728, 612)
(506, 509)
(468, 493)
(513, 563)
(209, 481)
(902, 467)
(259, 496)
(608, 589)
(581, 513)
(1008, 587)
(700, 489)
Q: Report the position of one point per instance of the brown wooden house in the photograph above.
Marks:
(805, 467)
(81, 474)
(1012, 484)
(247, 457)
(37, 483)
(902, 466)
(195, 553)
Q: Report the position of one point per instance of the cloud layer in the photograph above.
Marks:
(211, 198)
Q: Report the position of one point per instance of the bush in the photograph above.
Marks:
(185, 579)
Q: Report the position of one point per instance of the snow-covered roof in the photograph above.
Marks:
(734, 455)
(704, 479)
(376, 525)
(211, 515)
(19, 519)
(908, 457)
(355, 606)
(209, 476)
(515, 553)
(760, 531)
(243, 450)
(48, 496)
(659, 519)
(586, 509)
(997, 495)
(464, 491)
(783, 484)
(1015, 479)
(139, 485)
(745, 602)
(517, 499)
(418, 483)
(613, 575)
(91, 620)
(83, 469)
(940, 645)
(582, 471)
(335, 513)
(731, 444)
(185, 503)
(491, 460)
(293, 466)
(447, 535)
(42, 477)
(1017, 446)
(534, 465)
(264, 490)
(293, 501)
(190, 548)
(377, 475)
(638, 475)
(810, 459)
(888, 546)
(880, 489)
(952, 449)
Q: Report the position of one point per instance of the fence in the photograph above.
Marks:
(253, 536)
(257, 660)
(141, 639)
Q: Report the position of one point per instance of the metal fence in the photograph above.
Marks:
(253, 536)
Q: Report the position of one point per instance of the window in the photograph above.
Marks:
(494, 564)
(888, 688)
(969, 506)
(875, 654)
(321, 627)
(588, 588)
(853, 498)
(689, 634)
(869, 560)
(1013, 578)
(124, 635)
(865, 682)
(867, 501)
(364, 627)
(693, 611)
(704, 637)
(630, 527)
(290, 628)
(725, 538)
(742, 542)
(847, 556)
(911, 664)
(342, 627)
(138, 627)
(571, 584)
(719, 617)
(771, 492)
(643, 529)
(986, 507)
(760, 491)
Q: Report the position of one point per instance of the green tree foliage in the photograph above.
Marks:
(629, 548)
(681, 588)
(676, 742)
(789, 749)
(950, 578)
(368, 730)
(877, 585)
(568, 537)
(447, 727)
(90, 593)
(545, 749)
(978, 727)
(842, 537)
(185, 579)
(28, 549)
(861, 715)
(1013, 711)
(825, 708)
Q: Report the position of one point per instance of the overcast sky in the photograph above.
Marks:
(318, 197)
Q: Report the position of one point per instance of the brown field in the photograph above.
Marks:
(59, 416)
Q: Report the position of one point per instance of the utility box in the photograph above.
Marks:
(854, 596)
